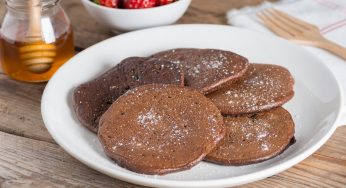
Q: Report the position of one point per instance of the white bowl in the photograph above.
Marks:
(134, 19)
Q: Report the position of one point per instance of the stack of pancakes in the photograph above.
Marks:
(167, 112)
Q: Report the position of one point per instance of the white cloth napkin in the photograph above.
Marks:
(328, 15)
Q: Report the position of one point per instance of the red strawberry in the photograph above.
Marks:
(136, 4)
(163, 2)
(110, 3)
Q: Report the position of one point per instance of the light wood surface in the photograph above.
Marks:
(29, 157)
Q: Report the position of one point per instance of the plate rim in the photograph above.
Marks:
(235, 180)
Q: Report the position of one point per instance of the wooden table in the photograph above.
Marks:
(29, 157)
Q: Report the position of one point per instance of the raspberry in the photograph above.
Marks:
(110, 3)
(163, 2)
(137, 4)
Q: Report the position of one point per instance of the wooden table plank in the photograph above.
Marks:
(29, 163)
(2, 10)
(20, 109)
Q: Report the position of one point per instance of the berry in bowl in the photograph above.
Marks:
(132, 4)
(127, 15)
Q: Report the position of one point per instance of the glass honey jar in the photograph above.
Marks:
(36, 38)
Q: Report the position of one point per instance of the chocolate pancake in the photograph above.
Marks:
(263, 87)
(207, 69)
(93, 98)
(157, 129)
(254, 138)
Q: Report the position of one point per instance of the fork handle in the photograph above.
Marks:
(333, 48)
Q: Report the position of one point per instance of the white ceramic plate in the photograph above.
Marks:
(315, 107)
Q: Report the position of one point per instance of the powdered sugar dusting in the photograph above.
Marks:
(257, 130)
(149, 118)
(212, 119)
(177, 134)
(262, 88)
(195, 70)
(264, 146)
(216, 63)
(262, 135)
(205, 65)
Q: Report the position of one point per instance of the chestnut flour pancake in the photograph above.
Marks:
(263, 87)
(93, 98)
(206, 69)
(157, 129)
(254, 138)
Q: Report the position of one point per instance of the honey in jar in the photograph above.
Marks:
(33, 47)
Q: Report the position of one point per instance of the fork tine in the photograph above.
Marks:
(283, 23)
(272, 26)
(284, 20)
(295, 20)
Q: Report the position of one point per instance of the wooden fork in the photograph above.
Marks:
(299, 31)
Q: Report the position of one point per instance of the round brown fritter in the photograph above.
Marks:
(254, 138)
(263, 87)
(207, 69)
(157, 129)
(93, 98)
